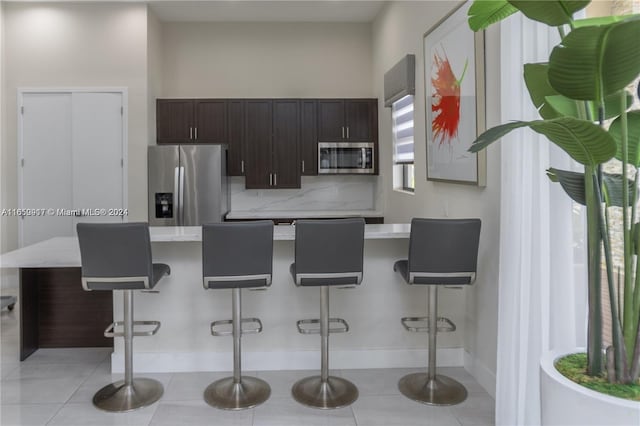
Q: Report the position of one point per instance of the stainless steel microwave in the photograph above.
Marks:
(345, 157)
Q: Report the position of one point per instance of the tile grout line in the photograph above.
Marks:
(55, 414)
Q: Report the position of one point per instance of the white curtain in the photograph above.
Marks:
(540, 306)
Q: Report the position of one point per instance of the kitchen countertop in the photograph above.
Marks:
(63, 252)
(300, 214)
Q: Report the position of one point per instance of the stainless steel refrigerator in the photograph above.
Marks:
(187, 185)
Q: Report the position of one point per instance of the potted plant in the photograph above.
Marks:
(585, 107)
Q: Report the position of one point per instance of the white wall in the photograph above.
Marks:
(8, 278)
(154, 70)
(397, 31)
(76, 45)
(3, 129)
(264, 60)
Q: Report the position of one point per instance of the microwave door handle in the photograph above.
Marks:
(364, 158)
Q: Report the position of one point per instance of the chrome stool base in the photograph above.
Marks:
(118, 397)
(228, 395)
(442, 390)
(334, 393)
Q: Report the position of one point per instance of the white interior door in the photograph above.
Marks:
(97, 156)
(45, 165)
(72, 146)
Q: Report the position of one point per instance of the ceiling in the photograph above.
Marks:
(267, 11)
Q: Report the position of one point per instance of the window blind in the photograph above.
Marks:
(402, 125)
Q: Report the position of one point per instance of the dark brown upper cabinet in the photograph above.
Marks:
(210, 124)
(309, 138)
(191, 121)
(235, 137)
(174, 120)
(285, 143)
(258, 128)
(272, 133)
(347, 120)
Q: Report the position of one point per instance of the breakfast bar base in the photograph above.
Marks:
(55, 312)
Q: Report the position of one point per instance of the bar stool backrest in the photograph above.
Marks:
(115, 256)
(443, 251)
(329, 252)
(237, 254)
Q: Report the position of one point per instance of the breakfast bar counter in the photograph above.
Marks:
(56, 312)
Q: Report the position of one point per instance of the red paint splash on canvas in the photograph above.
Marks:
(446, 100)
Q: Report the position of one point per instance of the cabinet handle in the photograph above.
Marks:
(342, 132)
(302, 166)
(196, 132)
(190, 132)
(242, 166)
(347, 133)
(275, 179)
(270, 179)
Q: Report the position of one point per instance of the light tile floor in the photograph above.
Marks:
(55, 387)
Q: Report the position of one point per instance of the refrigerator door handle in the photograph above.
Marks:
(181, 197)
(176, 193)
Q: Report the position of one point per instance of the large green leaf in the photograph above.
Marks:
(573, 185)
(633, 137)
(566, 107)
(535, 77)
(600, 20)
(613, 189)
(593, 62)
(635, 233)
(571, 182)
(585, 142)
(550, 12)
(483, 13)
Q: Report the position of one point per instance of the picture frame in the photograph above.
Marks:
(454, 90)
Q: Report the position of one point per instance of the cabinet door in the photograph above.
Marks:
(174, 120)
(235, 138)
(286, 136)
(309, 138)
(210, 121)
(361, 118)
(331, 120)
(258, 128)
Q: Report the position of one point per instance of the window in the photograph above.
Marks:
(402, 128)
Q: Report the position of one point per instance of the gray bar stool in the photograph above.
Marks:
(441, 252)
(236, 256)
(117, 256)
(327, 253)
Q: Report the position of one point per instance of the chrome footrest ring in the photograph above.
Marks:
(249, 330)
(443, 325)
(110, 330)
(302, 329)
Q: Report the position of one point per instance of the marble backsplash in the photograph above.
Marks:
(317, 193)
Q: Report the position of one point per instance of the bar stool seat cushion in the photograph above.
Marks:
(245, 283)
(337, 280)
(402, 266)
(159, 271)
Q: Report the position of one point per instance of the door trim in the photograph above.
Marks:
(123, 91)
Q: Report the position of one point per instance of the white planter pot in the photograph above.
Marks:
(566, 403)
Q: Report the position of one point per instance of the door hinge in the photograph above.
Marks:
(121, 110)
(22, 162)
(22, 110)
(122, 162)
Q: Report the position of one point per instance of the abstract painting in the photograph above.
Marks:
(454, 99)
